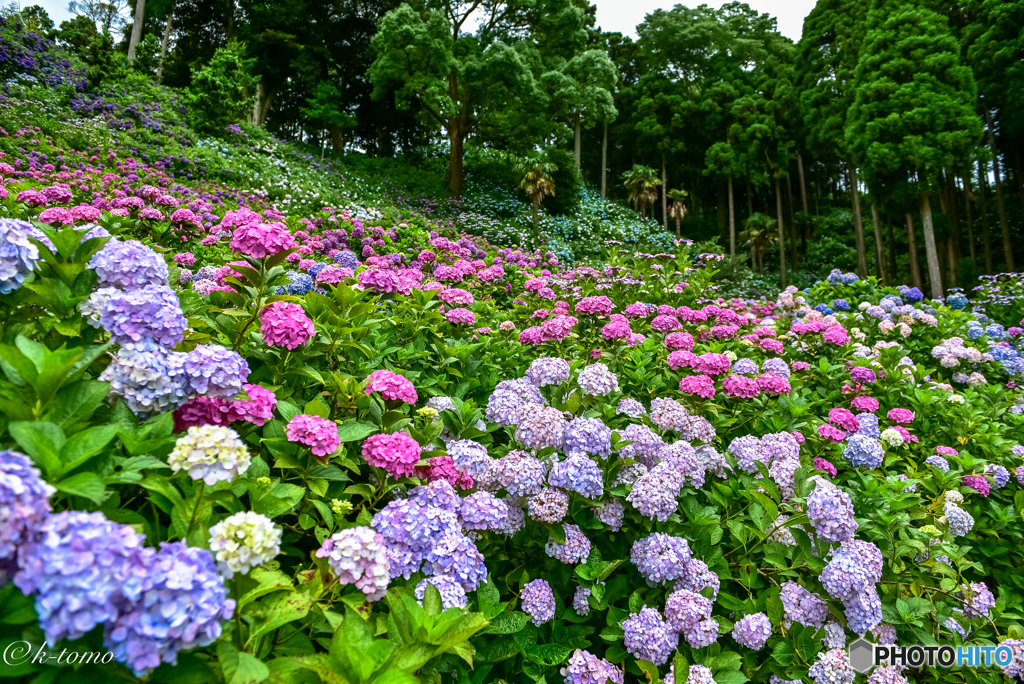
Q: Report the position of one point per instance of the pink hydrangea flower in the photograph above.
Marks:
(697, 385)
(843, 418)
(837, 335)
(800, 365)
(56, 215)
(740, 386)
(798, 436)
(398, 454)
(617, 329)
(774, 346)
(946, 451)
(391, 386)
(285, 324)
(712, 364)
(460, 316)
(901, 416)
(258, 408)
(832, 434)
(679, 340)
(320, 434)
(261, 240)
(636, 310)
(332, 275)
(822, 464)
(681, 358)
(773, 384)
(596, 306)
(865, 404)
(443, 468)
(664, 323)
(185, 259)
(978, 484)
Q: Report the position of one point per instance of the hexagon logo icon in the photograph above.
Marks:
(862, 655)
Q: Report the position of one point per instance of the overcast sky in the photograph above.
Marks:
(612, 15)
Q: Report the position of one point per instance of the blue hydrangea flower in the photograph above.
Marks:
(452, 593)
(576, 548)
(648, 637)
(586, 668)
(216, 371)
(840, 305)
(938, 462)
(589, 436)
(580, 602)
(655, 494)
(868, 425)
(853, 567)
(18, 255)
(646, 444)
(129, 265)
(863, 610)
(144, 319)
(180, 606)
(520, 474)
(579, 474)
(315, 269)
(957, 301)
(79, 567)
(457, 557)
(347, 259)
(470, 457)
(698, 577)
(483, 511)
(538, 601)
(150, 382)
(439, 493)
(24, 506)
(685, 610)
(863, 452)
(298, 284)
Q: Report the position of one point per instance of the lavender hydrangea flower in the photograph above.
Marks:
(470, 457)
(483, 511)
(745, 367)
(802, 606)
(610, 513)
(520, 474)
(150, 382)
(538, 601)
(579, 474)
(548, 371)
(660, 557)
(685, 610)
(830, 511)
(938, 462)
(510, 398)
(863, 451)
(439, 494)
(835, 635)
(215, 371)
(703, 635)
(648, 637)
(960, 521)
(588, 436)
(18, 254)
(886, 675)
(868, 425)
(576, 548)
(580, 602)
(456, 555)
(181, 605)
(410, 531)
(542, 427)
(79, 565)
(697, 577)
(144, 319)
(752, 631)
(776, 366)
(1000, 475)
(832, 667)
(24, 506)
(452, 593)
(854, 566)
(669, 414)
(747, 450)
(129, 265)
(980, 600)
(586, 668)
(630, 407)
(646, 444)
(863, 610)
(655, 494)
(596, 380)
(549, 506)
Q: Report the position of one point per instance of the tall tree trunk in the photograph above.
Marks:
(803, 184)
(968, 194)
(577, 142)
(1000, 201)
(879, 255)
(455, 171)
(604, 161)
(732, 220)
(782, 236)
(164, 43)
(931, 253)
(953, 261)
(678, 234)
(858, 226)
(229, 33)
(952, 202)
(892, 273)
(664, 192)
(986, 234)
(140, 15)
(795, 257)
(915, 267)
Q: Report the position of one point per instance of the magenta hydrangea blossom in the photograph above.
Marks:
(864, 404)
(285, 324)
(697, 385)
(460, 316)
(320, 434)
(261, 240)
(899, 415)
(391, 386)
(398, 453)
(844, 419)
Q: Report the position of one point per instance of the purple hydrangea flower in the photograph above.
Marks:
(358, 556)
(630, 407)
(509, 398)
(980, 600)
(215, 371)
(648, 637)
(483, 511)
(579, 474)
(854, 566)
(655, 493)
(456, 555)
(886, 675)
(576, 548)
(150, 382)
(548, 371)
(129, 265)
(610, 513)
(685, 609)
(538, 601)
(549, 506)
(585, 668)
(939, 462)
(452, 593)
(544, 426)
(660, 558)
(669, 414)
(830, 511)
(960, 521)
(18, 254)
(697, 577)
(520, 474)
(802, 606)
(588, 436)
(863, 451)
(580, 602)
(747, 450)
(596, 380)
(471, 457)
(646, 444)
(863, 610)
(144, 319)
(752, 631)
(180, 606)
(832, 667)
(80, 565)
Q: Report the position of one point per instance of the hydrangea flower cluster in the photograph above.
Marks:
(358, 556)
(660, 557)
(585, 668)
(452, 593)
(576, 548)
(578, 473)
(244, 541)
(830, 512)
(396, 453)
(649, 637)
(596, 380)
(211, 453)
(391, 386)
(752, 631)
(24, 506)
(285, 324)
(320, 434)
(538, 601)
(548, 371)
(18, 254)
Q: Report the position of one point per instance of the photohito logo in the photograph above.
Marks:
(865, 655)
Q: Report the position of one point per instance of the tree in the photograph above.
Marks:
(456, 78)
(677, 210)
(140, 15)
(326, 109)
(106, 14)
(221, 90)
(642, 183)
(581, 91)
(758, 235)
(913, 114)
(535, 180)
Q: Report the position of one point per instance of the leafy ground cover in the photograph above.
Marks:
(269, 421)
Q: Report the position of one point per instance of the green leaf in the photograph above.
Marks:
(487, 598)
(269, 581)
(281, 611)
(730, 677)
(317, 407)
(41, 441)
(86, 444)
(88, 485)
(354, 432)
(507, 623)
(250, 670)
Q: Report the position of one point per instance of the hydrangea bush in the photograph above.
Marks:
(449, 460)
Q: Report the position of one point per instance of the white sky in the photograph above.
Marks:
(624, 15)
(612, 15)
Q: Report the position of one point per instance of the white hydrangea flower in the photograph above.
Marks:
(731, 355)
(891, 437)
(210, 453)
(955, 399)
(244, 541)
(954, 496)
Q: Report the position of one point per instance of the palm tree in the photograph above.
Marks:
(642, 183)
(759, 235)
(536, 182)
(677, 210)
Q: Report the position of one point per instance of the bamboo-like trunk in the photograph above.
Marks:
(986, 234)
(858, 226)
(140, 15)
(803, 184)
(782, 236)
(1000, 201)
(970, 220)
(892, 271)
(604, 161)
(732, 220)
(664, 192)
(164, 43)
(930, 251)
(794, 255)
(915, 267)
(879, 256)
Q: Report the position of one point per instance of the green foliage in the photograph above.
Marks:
(222, 91)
